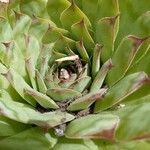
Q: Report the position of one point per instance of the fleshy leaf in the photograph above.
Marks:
(96, 59)
(123, 58)
(82, 51)
(99, 126)
(131, 117)
(121, 90)
(31, 7)
(40, 82)
(81, 84)
(72, 15)
(14, 78)
(53, 34)
(86, 101)
(106, 32)
(55, 8)
(33, 136)
(100, 77)
(26, 114)
(81, 32)
(42, 99)
(61, 94)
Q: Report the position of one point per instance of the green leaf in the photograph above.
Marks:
(72, 15)
(99, 126)
(31, 7)
(123, 58)
(121, 90)
(9, 127)
(86, 100)
(100, 77)
(82, 51)
(26, 114)
(131, 117)
(96, 59)
(14, 78)
(61, 94)
(81, 84)
(106, 32)
(42, 99)
(80, 32)
(55, 8)
(52, 34)
(75, 144)
(5, 30)
(30, 139)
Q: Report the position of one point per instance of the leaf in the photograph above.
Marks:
(61, 94)
(106, 32)
(121, 90)
(9, 127)
(96, 59)
(86, 101)
(123, 58)
(99, 126)
(14, 78)
(80, 32)
(81, 84)
(55, 8)
(34, 136)
(75, 144)
(72, 15)
(42, 99)
(26, 114)
(31, 7)
(131, 117)
(101, 75)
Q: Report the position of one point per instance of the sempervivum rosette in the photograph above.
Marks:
(74, 73)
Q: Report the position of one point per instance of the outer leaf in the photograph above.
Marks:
(81, 32)
(96, 126)
(26, 114)
(123, 58)
(106, 32)
(131, 117)
(72, 15)
(9, 127)
(30, 139)
(75, 144)
(121, 90)
(31, 7)
(55, 8)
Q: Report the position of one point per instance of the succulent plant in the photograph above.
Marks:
(74, 74)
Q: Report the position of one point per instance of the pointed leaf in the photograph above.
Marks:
(81, 84)
(96, 127)
(61, 94)
(55, 8)
(42, 99)
(19, 84)
(86, 101)
(96, 60)
(33, 136)
(100, 77)
(26, 114)
(106, 32)
(121, 90)
(81, 32)
(71, 15)
(123, 58)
